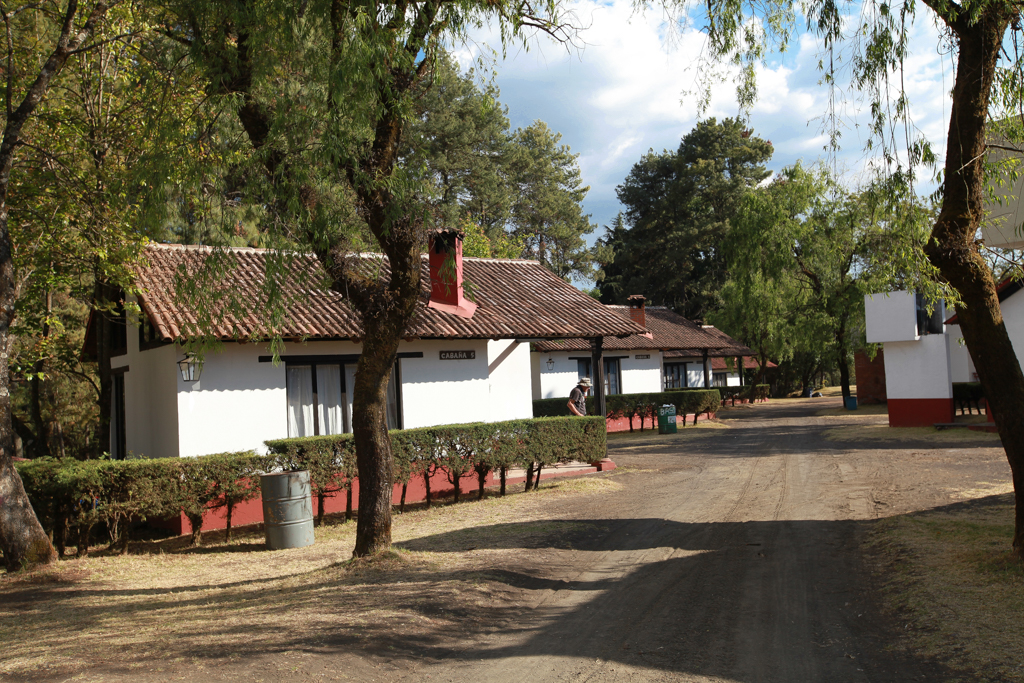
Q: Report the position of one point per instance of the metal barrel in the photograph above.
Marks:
(287, 510)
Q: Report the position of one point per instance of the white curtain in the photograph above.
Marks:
(328, 392)
(300, 400)
(393, 400)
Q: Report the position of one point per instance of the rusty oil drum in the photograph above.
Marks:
(287, 510)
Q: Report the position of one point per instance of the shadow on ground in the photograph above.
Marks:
(745, 602)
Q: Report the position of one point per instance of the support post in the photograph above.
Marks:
(597, 370)
(707, 375)
(739, 364)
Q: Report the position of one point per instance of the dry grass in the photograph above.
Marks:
(872, 410)
(882, 432)
(167, 604)
(952, 580)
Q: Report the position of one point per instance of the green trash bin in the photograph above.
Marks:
(667, 419)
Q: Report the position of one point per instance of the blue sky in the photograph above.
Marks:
(626, 92)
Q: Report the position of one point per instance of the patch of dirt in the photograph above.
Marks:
(730, 551)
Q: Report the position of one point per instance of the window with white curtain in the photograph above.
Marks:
(316, 399)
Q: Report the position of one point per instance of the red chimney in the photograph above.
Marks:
(637, 309)
(446, 292)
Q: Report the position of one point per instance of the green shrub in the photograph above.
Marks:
(72, 496)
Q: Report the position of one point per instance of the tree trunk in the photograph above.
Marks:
(536, 481)
(196, 522)
(481, 480)
(374, 458)
(22, 539)
(426, 485)
(503, 472)
(529, 477)
(320, 499)
(401, 504)
(104, 295)
(844, 361)
(230, 507)
(955, 253)
(348, 503)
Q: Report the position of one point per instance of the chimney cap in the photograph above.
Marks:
(441, 238)
(638, 298)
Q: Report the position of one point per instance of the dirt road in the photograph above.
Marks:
(738, 558)
(725, 553)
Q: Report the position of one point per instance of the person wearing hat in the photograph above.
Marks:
(578, 398)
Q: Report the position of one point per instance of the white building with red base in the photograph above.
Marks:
(925, 353)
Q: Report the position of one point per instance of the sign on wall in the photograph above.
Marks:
(458, 355)
(643, 356)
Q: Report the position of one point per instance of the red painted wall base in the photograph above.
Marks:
(920, 412)
(251, 512)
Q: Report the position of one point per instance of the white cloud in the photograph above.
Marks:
(629, 90)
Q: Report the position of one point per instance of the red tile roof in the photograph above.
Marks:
(516, 299)
(670, 332)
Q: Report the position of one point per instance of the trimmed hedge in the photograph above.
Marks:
(476, 447)
(642, 406)
(71, 497)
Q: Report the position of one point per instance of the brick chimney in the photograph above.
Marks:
(446, 292)
(638, 309)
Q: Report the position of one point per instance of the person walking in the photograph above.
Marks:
(578, 398)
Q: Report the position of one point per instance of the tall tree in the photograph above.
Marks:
(324, 93)
(807, 248)
(986, 39)
(678, 211)
(547, 213)
(460, 133)
(46, 36)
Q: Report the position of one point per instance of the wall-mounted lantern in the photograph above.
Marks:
(551, 364)
(190, 368)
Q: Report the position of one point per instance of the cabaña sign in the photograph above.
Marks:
(458, 355)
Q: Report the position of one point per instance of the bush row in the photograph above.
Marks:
(71, 497)
(642, 406)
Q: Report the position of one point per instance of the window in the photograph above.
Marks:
(118, 332)
(675, 376)
(720, 379)
(583, 368)
(612, 385)
(319, 403)
(149, 338)
(118, 433)
(929, 323)
(316, 400)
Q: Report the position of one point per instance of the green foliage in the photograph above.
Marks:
(802, 254)
(679, 209)
(547, 211)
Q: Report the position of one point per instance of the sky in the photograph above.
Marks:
(630, 89)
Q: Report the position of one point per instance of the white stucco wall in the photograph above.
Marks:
(558, 382)
(437, 392)
(150, 407)
(237, 404)
(641, 375)
(1013, 316)
(919, 369)
(961, 366)
(510, 396)
(891, 318)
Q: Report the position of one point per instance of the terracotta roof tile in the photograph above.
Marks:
(670, 332)
(517, 299)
